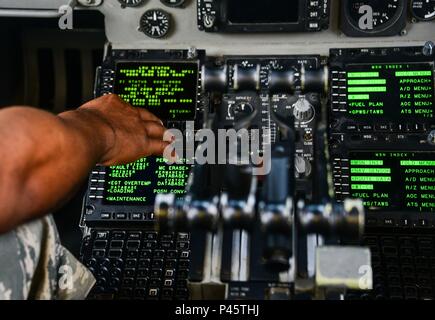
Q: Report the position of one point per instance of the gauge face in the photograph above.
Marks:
(155, 23)
(131, 3)
(423, 10)
(173, 3)
(374, 15)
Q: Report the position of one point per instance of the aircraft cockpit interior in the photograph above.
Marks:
(307, 138)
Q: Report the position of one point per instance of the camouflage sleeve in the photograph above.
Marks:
(34, 265)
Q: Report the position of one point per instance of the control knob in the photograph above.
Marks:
(303, 110)
(209, 20)
(241, 110)
(302, 166)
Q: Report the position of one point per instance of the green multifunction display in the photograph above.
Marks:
(167, 89)
(138, 183)
(391, 91)
(394, 181)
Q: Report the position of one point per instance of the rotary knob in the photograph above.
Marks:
(303, 110)
(302, 166)
(241, 110)
(209, 20)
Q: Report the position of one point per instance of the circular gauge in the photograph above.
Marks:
(373, 16)
(173, 3)
(423, 10)
(131, 3)
(155, 23)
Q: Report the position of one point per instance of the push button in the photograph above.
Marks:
(389, 222)
(117, 244)
(313, 25)
(167, 293)
(423, 223)
(382, 127)
(137, 216)
(156, 273)
(100, 244)
(120, 216)
(135, 236)
(98, 253)
(169, 273)
(118, 235)
(105, 215)
(405, 223)
(102, 235)
(154, 292)
(351, 127)
(313, 14)
(366, 127)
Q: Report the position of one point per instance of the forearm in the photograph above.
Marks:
(44, 160)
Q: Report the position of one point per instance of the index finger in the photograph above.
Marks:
(148, 116)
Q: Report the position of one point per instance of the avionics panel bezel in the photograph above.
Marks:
(96, 210)
(217, 9)
(380, 220)
(342, 122)
(366, 135)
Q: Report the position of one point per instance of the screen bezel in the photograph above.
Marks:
(391, 211)
(225, 6)
(299, 25)
(387, 116)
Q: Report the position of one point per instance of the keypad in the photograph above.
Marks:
(403, 267)
(137, 264)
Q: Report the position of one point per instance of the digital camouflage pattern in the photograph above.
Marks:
(34, 265)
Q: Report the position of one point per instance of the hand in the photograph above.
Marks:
(129, 133)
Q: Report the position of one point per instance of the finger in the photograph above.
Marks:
(154, 130)
(148, 116)
(156, 147)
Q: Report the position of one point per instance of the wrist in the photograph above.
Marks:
(98, 133)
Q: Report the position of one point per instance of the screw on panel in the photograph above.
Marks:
(431, 138)
(90, 3)
(428, 48)
(192, 53)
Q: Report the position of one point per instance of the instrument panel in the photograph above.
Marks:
(265, 65)
(381, 131)
(175, 25)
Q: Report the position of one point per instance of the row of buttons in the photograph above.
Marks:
(338, 92)
(106, 86)
(137, 216)
(143, 55)
(390, 222)
(414, 127)
(316, 11)
(415, 138)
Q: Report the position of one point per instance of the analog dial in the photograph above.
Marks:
(423, 10)
(173, 3)
(155, 23)
(131, 3)
(374, 15)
